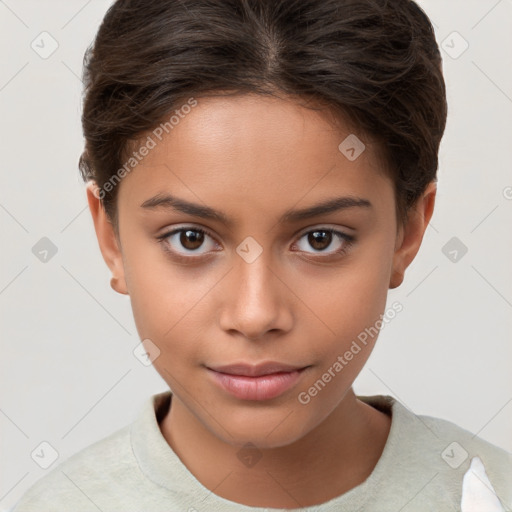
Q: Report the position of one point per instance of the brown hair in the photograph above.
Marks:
(377, 61)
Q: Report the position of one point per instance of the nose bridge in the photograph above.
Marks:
(255, 276)
(255, 303)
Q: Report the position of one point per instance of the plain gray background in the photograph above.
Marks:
(68, 374)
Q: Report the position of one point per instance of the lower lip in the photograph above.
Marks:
(260, 388)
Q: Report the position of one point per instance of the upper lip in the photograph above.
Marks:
(255, 370)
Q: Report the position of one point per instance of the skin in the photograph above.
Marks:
(254, 158)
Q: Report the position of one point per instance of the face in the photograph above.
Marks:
(248, 272)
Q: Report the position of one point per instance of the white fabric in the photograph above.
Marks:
(135, 470)
(478, 494)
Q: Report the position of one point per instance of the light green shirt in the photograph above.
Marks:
(427, 464)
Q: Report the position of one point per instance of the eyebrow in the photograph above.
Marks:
(169, 202)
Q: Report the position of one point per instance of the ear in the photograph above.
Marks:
(411, 234)
(107, 239)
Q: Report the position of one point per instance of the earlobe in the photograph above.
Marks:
(396, 280)
(411, 235)
(117, 286)
(107, 240)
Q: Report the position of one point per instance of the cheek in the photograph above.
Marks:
(353, 297)
(350, 309)
(350, 305)
(156, 295)
(168, 302)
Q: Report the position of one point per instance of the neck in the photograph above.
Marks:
(335, 457)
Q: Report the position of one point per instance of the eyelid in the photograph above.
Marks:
(325, 227)
(184, 227)
(298, 234)
(347, 238)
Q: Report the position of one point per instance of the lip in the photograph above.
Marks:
(255, 370)
(256, 382)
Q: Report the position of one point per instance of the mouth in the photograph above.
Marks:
(256, 382)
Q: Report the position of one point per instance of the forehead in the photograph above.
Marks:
(257, 151)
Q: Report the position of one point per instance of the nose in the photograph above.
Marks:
(256, 300)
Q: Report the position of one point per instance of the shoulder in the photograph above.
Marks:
(96, 467)
(459, 462)
(429, 462)
(115, 473)
(462, 450)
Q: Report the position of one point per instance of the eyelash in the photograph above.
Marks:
(346, 238)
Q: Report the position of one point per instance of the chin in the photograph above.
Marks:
(264, 428)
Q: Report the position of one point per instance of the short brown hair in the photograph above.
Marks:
(377, 61)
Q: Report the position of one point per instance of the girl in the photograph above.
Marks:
(260, 173)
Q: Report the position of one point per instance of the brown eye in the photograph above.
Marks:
(319, 240)
(187, 242)
(191, 239)
(322, 239)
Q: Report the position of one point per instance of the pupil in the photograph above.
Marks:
(318, 242)
(191, 239)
